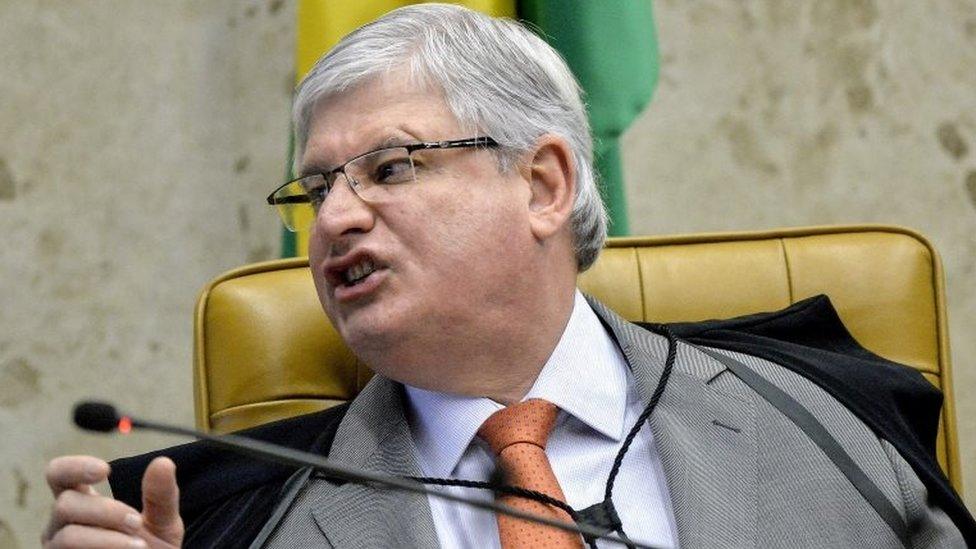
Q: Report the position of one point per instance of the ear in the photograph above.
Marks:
(551, 174)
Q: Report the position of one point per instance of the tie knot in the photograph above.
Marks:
(530, 421)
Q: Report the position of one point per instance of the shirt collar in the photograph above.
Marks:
(443, 425)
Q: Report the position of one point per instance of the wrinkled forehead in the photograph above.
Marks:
(387, 110)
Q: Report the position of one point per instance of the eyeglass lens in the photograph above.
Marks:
(298, 202)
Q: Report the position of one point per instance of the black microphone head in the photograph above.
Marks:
(96, 416)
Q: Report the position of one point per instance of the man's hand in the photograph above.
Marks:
(83, 518)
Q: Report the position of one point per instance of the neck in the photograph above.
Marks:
(500, 358)
(510, 367)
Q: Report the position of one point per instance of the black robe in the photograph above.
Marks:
(226, 498)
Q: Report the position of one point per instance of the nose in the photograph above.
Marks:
(343, 212)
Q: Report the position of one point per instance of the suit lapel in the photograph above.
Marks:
(703, 427)
(374, 436)
(704, 431)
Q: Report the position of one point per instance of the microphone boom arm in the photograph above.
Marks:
(281, 454)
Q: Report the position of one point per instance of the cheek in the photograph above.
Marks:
(472, 242)
(314, 247)
(316, 254)
(454, 220)
(461, 230)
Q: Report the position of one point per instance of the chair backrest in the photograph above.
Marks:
(264, 349)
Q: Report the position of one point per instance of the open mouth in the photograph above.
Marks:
(359, 272)
(355, 276)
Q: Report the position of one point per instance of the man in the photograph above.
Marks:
(446, 159)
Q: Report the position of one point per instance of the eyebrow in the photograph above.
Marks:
(391, 141)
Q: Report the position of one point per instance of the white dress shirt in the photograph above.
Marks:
(588, 379)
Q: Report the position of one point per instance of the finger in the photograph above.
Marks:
(68, 472)
(73, 507)
(161, 501)
(78, 536)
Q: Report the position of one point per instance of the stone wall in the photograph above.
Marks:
(139, 139)
(773, 114)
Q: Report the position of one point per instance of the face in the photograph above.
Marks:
(447, 250)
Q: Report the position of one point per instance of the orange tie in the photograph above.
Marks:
(518, 435)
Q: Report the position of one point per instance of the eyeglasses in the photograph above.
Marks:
(370, 175)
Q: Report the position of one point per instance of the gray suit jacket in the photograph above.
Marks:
(739, 473)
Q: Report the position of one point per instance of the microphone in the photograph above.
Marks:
(104, 418)
(97, 416)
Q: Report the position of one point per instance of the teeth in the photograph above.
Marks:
(359, 271)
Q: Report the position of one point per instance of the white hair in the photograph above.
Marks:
(497, 77)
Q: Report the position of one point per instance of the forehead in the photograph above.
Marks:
(373, 114)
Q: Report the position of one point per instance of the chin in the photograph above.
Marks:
(371, 335)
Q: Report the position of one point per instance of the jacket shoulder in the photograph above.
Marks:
(895, 401)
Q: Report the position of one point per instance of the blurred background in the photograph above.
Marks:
(139, 139)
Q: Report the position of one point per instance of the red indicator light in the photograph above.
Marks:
(125, 425)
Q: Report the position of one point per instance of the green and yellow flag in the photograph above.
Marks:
(610, 45)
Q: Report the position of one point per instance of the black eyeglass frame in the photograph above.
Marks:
(480, 141)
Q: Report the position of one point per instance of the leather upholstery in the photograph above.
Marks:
(264, 350)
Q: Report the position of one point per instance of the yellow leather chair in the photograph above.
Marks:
(264, 350)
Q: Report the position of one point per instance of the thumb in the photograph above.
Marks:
(161, 501)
